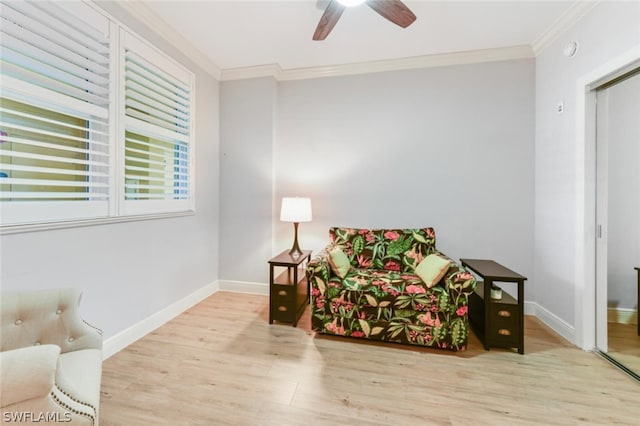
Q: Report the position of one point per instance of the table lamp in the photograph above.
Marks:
(296, 210)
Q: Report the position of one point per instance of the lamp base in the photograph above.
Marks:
(295, 253)
(295, 250)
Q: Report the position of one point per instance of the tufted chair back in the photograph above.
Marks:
(45, 317)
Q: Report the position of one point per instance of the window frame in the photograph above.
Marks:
(151, 54)
(119, 209)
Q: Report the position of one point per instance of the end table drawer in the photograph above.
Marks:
(283, 314)
(506, 324)
(505, 336)
(283, 294)
(283, 302)
(504, 313)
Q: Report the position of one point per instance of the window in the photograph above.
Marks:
(54, 106)
(94, 122)
(157, 129)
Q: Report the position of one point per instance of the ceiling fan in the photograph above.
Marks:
(393, 10)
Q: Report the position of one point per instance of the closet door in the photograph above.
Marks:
(618, 220)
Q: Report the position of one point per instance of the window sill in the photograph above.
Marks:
(48, 226)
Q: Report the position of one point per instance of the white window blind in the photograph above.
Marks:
(54, 112)
(94, 121)
(157, 126)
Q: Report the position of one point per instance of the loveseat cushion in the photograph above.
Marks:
(374, 291)
(432, 269)
(381, 281)
(339, 262)
(392, 306)
(398, 250)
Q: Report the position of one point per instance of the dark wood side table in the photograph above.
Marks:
(637, 268)
(496, 322)
(289, 290)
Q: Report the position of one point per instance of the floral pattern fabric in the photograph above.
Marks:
(381, 298)
(390, 249)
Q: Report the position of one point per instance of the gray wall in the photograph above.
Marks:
(448, 147)
(607, 31)
(246, 184)
(129, 271)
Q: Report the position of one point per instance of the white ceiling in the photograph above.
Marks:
(240, 33)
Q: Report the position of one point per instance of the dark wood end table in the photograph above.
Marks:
(289, 290)
(496, 322)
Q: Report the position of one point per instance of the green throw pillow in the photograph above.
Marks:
(432, 269)
(339, 262)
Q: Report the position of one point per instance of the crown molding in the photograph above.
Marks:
(426, 61)
(258, 71)
(152, 20)
(565, 21)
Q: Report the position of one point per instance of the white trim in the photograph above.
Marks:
(151, 19)
(585, 317)
(141, 49)
(597, 152)
(45, 226)
(622, 315)
(551, 320)
(565, 21)
(258, 71)
(530, 308)
(43, 97)
(426, 61)
(244, 287)
(18, 215)
(116, 343)
(116, 127)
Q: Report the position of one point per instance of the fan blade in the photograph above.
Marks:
(328, 20)
(393, 10)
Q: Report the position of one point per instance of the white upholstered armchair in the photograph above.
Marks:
(50, 359)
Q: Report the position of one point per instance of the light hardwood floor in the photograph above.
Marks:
(624, 345)
(221, 363)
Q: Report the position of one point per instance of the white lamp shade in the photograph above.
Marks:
(350, 3)
(295, 209)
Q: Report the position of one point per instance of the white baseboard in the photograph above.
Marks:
(622, 316)
(126, 337)
(530, 308)
(551, 320)
(244, 287)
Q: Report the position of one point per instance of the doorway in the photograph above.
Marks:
(618, 220)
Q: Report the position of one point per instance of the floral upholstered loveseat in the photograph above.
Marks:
(381, 297)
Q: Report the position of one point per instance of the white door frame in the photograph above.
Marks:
(585, 223)
(602, 217)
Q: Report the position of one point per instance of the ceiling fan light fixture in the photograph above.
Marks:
(392, 10)
(351, 3)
